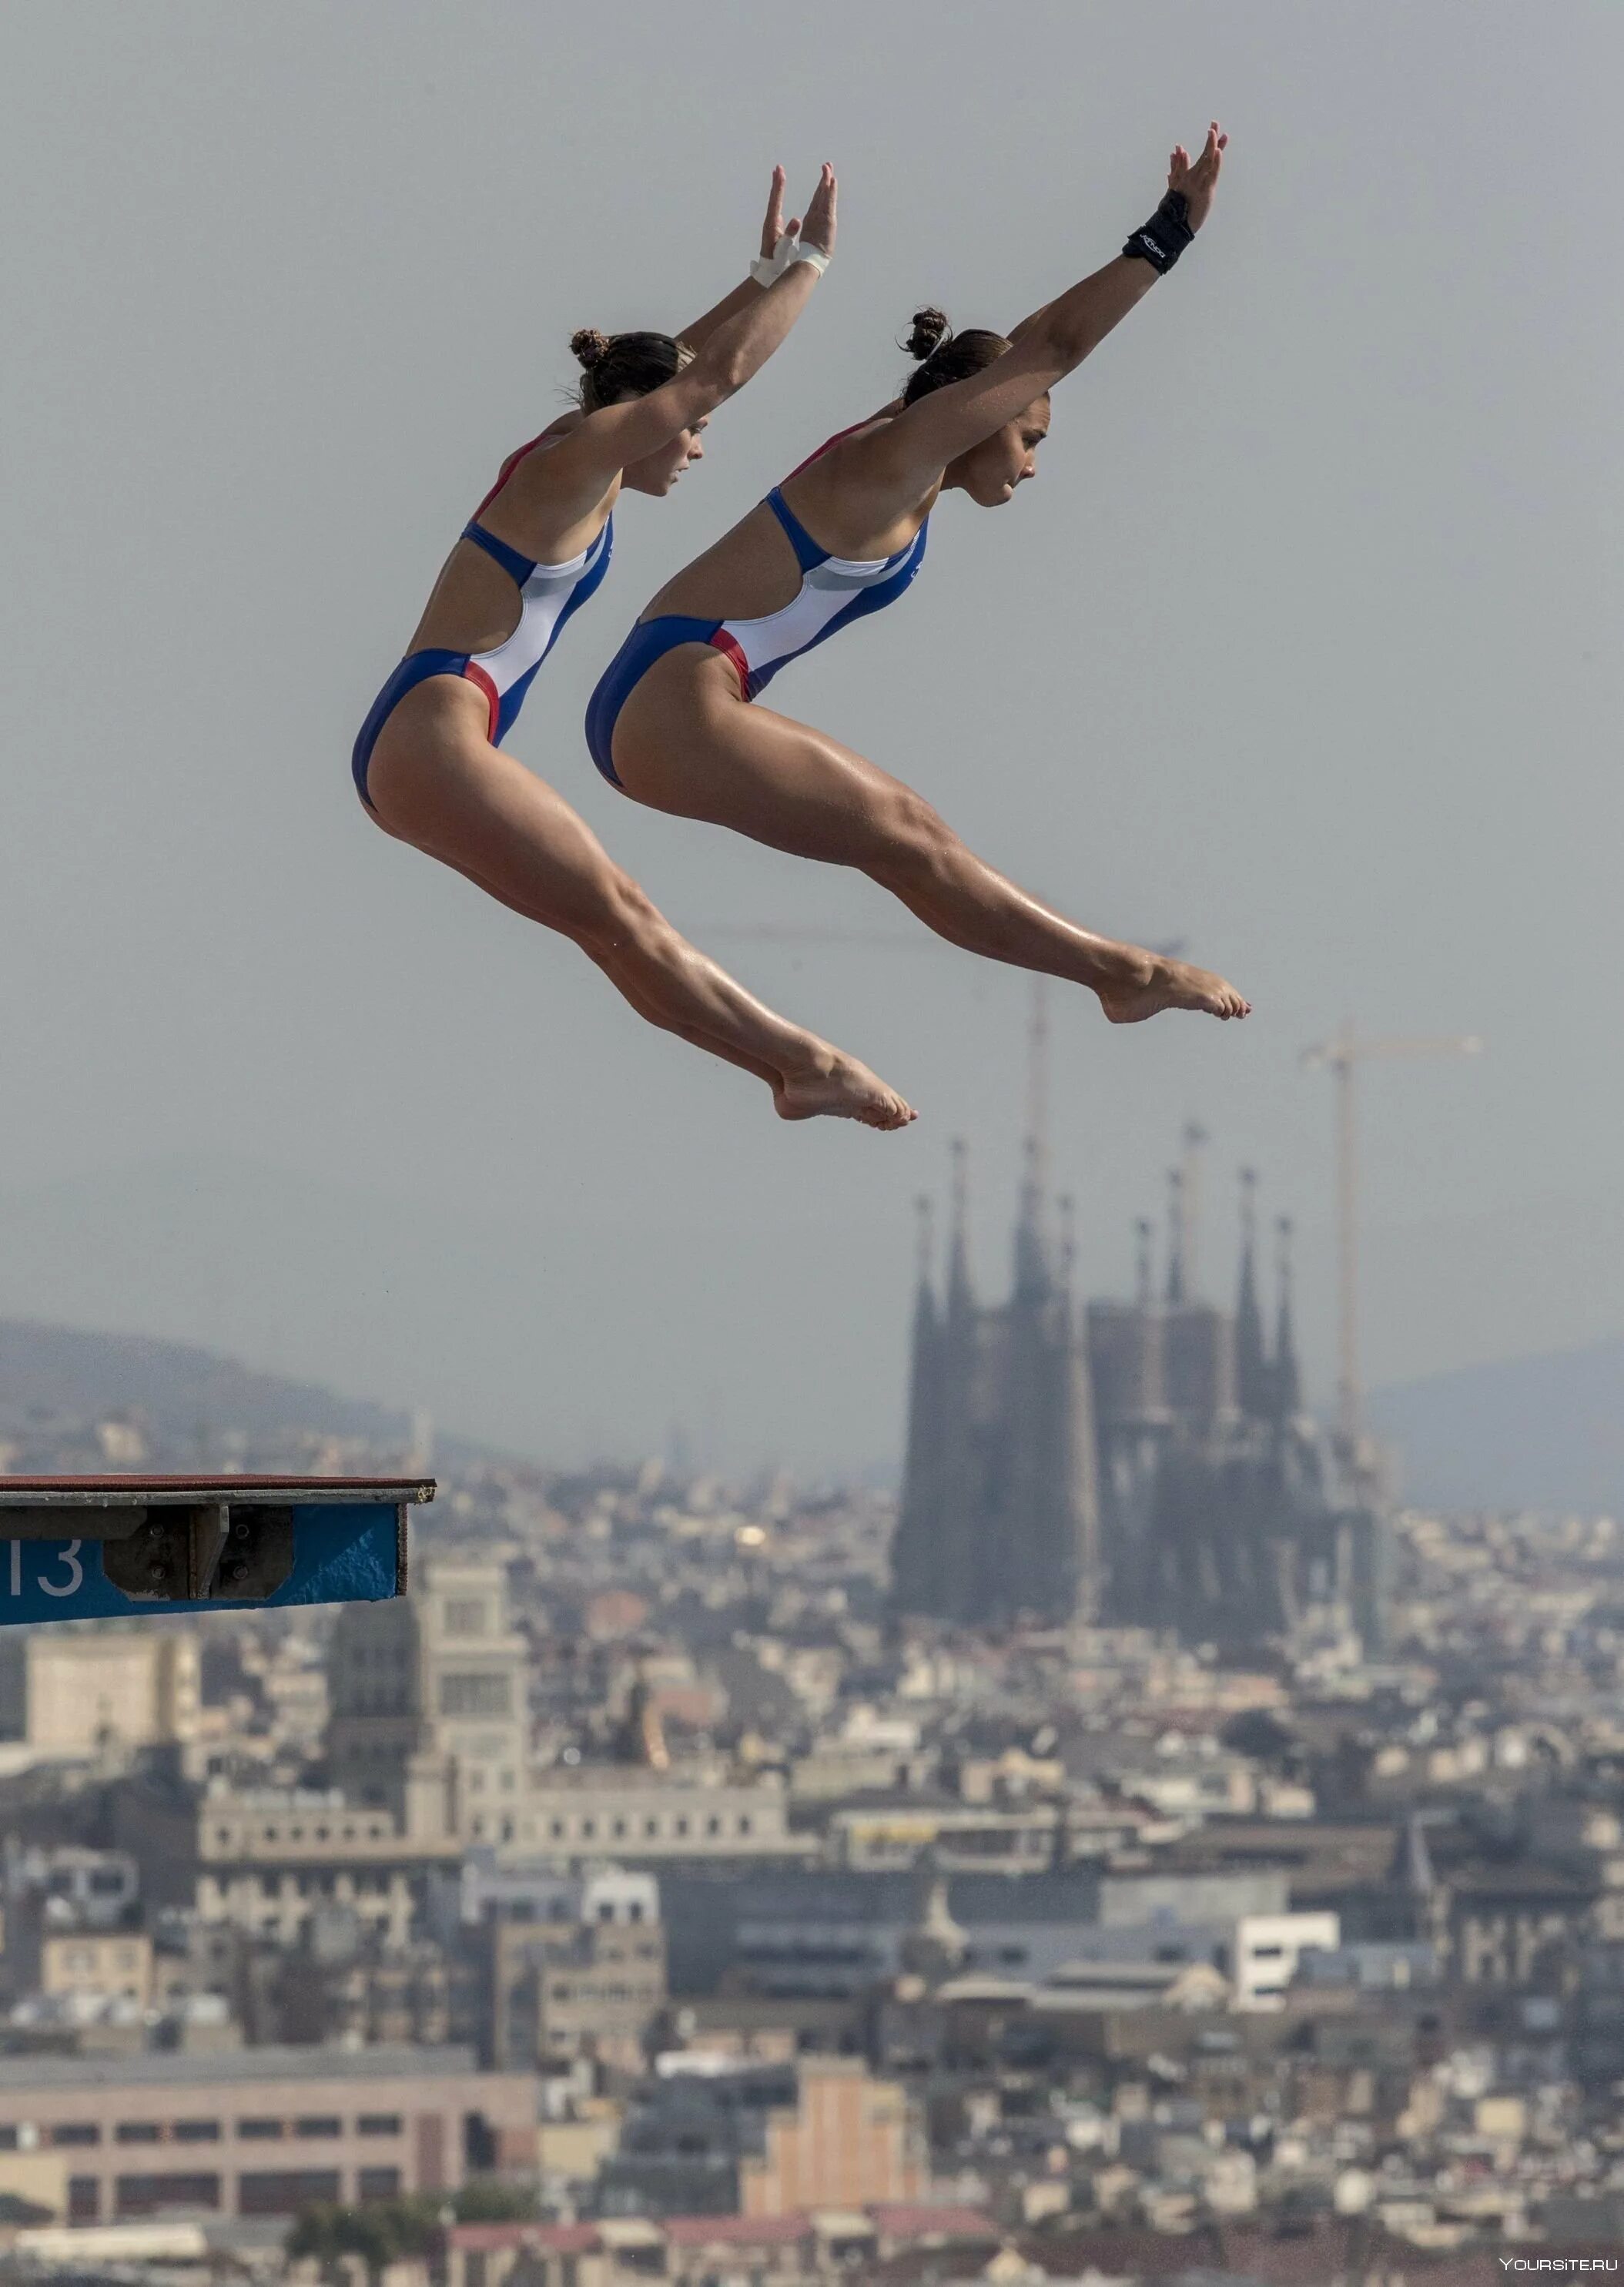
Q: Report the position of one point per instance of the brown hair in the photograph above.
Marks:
(946, 356)
(618, 366)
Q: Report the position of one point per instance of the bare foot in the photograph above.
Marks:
(840, 1086)
(1170, 984)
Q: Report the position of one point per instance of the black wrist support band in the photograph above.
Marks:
(1164, 237)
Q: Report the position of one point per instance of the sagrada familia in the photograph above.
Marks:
(1146, 1462)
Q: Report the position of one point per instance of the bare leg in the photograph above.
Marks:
(435, 782)
(685, 742)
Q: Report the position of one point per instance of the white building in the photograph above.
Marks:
(1268, 1948)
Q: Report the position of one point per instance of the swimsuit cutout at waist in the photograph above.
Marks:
(548, 594)
(834, 591)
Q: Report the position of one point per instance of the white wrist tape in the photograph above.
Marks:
(767, 268)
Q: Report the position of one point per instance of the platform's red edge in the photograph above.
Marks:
(183, 1483)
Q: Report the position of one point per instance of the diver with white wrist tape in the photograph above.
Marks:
(428, 763)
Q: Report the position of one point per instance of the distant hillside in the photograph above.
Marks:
(178, 1387)
(1543, 1433)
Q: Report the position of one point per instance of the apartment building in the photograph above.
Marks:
(268, 1859)
(76, 1690)
(706, 2136)
(634, 1814)
(263, 2131)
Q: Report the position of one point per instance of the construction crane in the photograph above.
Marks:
(1342, 1056)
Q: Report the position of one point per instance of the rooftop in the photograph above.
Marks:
(391, 2060)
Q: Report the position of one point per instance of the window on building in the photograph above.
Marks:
(74, 2131)
(713, 1826)
(260, 2130)
(475, 1695)
(195, 2132)
(83, 2199)
(284, 2191)
(137, 2131)
(378, 2124)
(8, 2139)
(744, 1821)
(319, 2124)
(466, 1616)
(143, 2196)
(378, 2183)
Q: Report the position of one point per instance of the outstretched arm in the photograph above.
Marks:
(1043, 348)
(735, 350)
(772, 229)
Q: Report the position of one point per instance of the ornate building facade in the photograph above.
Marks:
(1144, 1462)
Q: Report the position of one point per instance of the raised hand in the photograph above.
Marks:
(774, 226)
(817, 230)
(1198, 179)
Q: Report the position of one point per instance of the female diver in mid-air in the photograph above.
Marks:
(670, 721)
(429, 765)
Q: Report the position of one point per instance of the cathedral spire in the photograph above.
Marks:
(1144, 1275)
(1193, 1140)
(1175, 1237)
(924, 1289)
(1032, 1261)
(1287, 1379)
(1032, 1274)
(1251, 1376)
(1068, 1206)
(960, 1300)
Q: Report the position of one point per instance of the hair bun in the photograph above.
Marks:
(588, 346)
(930, 328)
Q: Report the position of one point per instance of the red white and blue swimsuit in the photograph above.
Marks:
(548, 593)
(834, 591)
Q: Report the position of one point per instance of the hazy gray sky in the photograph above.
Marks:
(1304, 646)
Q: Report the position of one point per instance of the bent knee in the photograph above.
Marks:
(621, 917)
(915, 841)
